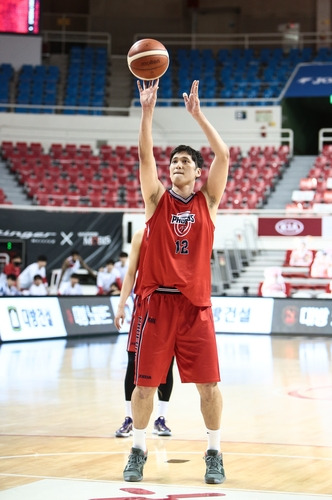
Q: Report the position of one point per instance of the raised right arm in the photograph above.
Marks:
(152, 188)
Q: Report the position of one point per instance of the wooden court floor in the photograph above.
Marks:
(61, 401)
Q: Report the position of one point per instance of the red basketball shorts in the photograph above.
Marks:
(135, 325)
(173, 326)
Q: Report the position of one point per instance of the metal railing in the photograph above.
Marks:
(60, 109)
(241, 40)
(324, 137)
(65, 37)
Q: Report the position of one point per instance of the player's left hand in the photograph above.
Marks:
(192, 101)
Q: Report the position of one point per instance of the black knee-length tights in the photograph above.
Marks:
(164, 390)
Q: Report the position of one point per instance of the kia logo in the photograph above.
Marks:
(289, 227)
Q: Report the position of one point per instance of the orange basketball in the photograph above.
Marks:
(148, 59)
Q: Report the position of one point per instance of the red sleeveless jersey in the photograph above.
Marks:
(179, 240)
(138, 279)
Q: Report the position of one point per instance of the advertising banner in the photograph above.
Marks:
(242, 314)
(90, 315)
(311, 80)
(31, 318)
(24, 318)
(97, 236)
(307, 317)
(289, 227)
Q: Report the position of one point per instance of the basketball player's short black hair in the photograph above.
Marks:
(196, 155)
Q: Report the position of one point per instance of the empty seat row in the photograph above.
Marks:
(316, 188)
(79, 171)
(233, 73)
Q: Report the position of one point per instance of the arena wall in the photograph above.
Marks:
(238, 126)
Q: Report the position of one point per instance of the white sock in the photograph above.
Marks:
(162, 409)
(128, 409)
(213, 439)
(139, 438)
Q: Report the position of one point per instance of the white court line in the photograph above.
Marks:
(228, 453)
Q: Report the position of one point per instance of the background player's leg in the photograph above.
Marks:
(164, 394)
(126, 428)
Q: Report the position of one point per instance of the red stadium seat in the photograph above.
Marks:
(133, 150)
(121, 151)
(72, 200)
(308, 184)
(114, 162)
(36, 147)
(87, 172)
(158, 152)
(239, 174)
(254, 152)
(56, 150)
(327, 197)
(95, 199)
(94, 162)
(321, 186)
(223, 202)
(106, 152)
(122, 175)
(70, 150)
(110, 198)
(85, 150)
(132, 184)
(130, 163)
(42, 198)
(57, 199)
(235, 153)
(107, 174)
(22, 147)
(82, 186)
(97, 185)
(63, 185)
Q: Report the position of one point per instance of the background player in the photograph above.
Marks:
(164, 390)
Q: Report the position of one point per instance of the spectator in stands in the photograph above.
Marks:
(14, 266)
(26, 277)
(8, 288)
(70, 266)
(106, 276)
(38, 287)
(274, 284)
(115, 289)
(329, 263)
(122, 265)
(328, 288)
(74, 286)
(301, 255)
(320, 265)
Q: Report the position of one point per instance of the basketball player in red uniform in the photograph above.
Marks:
(132, 280)
(176, 280)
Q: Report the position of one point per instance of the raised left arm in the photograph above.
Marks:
(214, 187)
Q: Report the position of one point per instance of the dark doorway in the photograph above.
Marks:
(306, 116)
